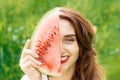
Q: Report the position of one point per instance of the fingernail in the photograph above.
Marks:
(40, 63)
(37, 55)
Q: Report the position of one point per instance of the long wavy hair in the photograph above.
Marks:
(87, 67)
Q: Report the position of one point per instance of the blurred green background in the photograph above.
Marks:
(18, 19)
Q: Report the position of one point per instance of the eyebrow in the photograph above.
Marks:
(69, 35)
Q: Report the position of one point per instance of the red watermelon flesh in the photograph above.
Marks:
(46, 43)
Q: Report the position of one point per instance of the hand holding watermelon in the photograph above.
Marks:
(29, 63)
(61, 48)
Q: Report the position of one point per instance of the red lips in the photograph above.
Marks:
(64, 59)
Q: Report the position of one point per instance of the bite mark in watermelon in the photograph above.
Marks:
(46, 43)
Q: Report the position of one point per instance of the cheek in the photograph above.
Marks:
(74, 50)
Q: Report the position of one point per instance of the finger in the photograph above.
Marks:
(33, 74)
(27, 44)
(25, 67)
(30, 52)
(27, 51)
(29, 58)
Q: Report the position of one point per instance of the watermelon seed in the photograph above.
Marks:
(55, 33)
(52, 36)
(49, 45)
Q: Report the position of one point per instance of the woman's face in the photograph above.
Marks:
(69, 46)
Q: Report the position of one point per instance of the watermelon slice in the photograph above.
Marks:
(46, 43)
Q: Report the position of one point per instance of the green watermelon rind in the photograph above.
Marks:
(43, 71)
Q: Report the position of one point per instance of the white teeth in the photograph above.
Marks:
(64, 58)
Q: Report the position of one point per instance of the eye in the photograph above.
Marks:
(69, 40)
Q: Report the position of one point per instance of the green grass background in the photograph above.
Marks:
(18, 19)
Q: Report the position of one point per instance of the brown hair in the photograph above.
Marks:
(86, 66)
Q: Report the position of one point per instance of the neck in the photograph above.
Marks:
(66, 75)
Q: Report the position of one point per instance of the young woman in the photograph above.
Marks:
(76, 34)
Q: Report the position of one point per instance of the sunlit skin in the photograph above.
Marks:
(69, 46)
(69, 50)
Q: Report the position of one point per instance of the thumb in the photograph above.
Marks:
(27, 44)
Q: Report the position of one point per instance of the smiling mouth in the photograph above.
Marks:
(64, 59)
